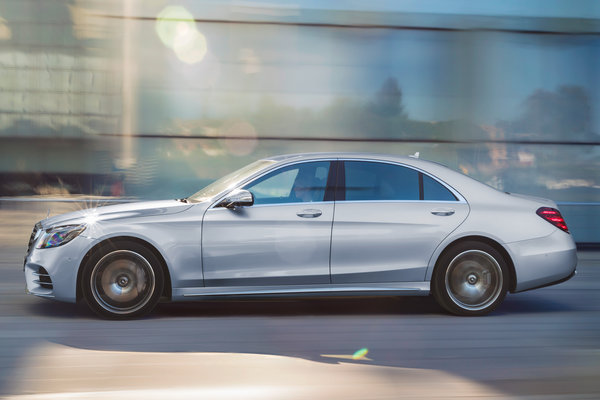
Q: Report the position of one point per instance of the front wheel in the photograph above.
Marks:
(471, 278)
(122, 280)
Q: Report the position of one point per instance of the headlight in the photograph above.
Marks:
(59, 235)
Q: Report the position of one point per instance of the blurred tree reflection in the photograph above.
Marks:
(388, 100)
(561, 114)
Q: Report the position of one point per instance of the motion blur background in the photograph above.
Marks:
(117, 100)
(155, 99)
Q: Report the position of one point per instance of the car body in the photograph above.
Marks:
(307, 224)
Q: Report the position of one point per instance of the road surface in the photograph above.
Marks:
(543, 344)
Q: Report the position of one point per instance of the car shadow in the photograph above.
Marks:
(55, 309)
(535, 302)
(519, 303)
(300, 307)
(263, 307)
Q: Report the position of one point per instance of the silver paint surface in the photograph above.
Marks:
(267, 244)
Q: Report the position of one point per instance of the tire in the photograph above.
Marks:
(471, 278)
(122, 280)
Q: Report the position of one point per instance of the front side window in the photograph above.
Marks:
(380, 181)
(298, 183)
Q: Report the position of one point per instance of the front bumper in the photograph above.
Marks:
(52, 272)
(543, 261)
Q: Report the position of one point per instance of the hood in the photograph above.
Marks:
(127, 210)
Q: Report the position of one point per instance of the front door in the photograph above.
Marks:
(283, 239)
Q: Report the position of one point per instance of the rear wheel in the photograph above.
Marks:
(471, 278)
(122, 280)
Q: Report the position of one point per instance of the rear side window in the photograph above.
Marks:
(379, 181)
(435, 191)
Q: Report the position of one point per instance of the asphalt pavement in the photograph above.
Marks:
(542, 344)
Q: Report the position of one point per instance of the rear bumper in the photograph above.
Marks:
(553, 283)
(543, 261)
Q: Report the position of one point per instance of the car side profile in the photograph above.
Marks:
(307, 224)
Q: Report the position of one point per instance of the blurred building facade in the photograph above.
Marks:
(156, 99)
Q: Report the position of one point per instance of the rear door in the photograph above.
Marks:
(389, 218)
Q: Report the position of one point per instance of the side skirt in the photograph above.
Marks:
(367, 289)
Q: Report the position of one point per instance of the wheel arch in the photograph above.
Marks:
(491, 242)
(113, 240)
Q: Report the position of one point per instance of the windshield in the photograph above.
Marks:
(228, 181)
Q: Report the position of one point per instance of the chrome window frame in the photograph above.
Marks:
(276, 166)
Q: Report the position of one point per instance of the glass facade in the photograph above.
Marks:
(152, 100)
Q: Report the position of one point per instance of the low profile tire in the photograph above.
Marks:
(471, 278)
(122, 280)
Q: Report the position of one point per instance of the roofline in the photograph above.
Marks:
(320, 155)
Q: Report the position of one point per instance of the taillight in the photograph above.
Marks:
(553, 216)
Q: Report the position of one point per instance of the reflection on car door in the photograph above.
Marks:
(283, 239)
(388, 221)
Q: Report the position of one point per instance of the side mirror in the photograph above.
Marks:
(237, 198)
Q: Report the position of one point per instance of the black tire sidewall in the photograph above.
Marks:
(107, 248)
(438, 281)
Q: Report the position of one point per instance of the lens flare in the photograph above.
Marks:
(190, 48)
(173, 21)
(360, 354)
(177, 30)
(244, 138)
(91, 218)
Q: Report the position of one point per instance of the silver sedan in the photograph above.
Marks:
(307, 224)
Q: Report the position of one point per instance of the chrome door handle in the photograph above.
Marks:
(444, 212)
(309, 213)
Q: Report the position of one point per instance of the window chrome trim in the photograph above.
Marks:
(404, 201)
(274, 167)
(304, 203)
